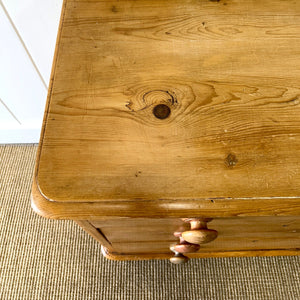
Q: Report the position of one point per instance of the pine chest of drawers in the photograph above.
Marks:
(172, 128)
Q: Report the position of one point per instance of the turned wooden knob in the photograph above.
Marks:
(184, 246)
(201, 236)
(199, 233)
(178, 259)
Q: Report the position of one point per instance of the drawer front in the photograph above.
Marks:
(129, 236)
(141, 230)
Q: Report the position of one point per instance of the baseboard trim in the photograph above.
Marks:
(20, 135)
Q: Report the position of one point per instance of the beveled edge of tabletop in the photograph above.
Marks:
(163, 208)
(156, 208)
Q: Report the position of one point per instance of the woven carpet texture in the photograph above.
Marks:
(49, 259)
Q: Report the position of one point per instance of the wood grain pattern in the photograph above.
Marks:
(95, 233)
(229, 76)
(143, 256)
(163, 208)
(129, 236)
(228, 71)
(161, 110)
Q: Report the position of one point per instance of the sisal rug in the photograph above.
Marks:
(46, 259)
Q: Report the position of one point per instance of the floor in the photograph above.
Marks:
(49, 259)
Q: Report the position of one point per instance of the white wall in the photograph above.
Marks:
(28, 30)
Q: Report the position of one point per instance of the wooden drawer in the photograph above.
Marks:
(133, 236)
(146, 124)
(140, 230)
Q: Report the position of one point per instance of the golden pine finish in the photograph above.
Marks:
(173, 109)
(235, 234)
(233, 128)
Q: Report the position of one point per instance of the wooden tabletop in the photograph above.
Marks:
(174, 102)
